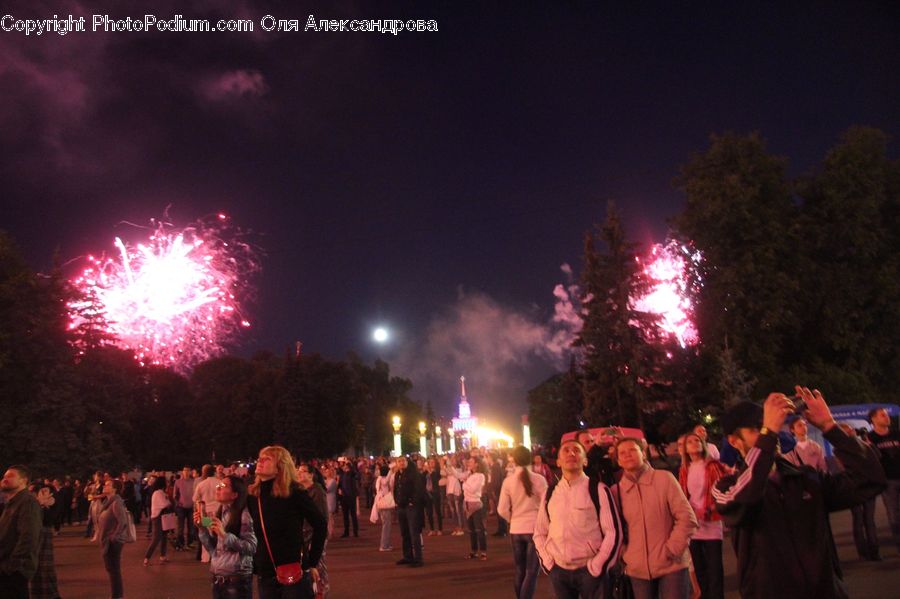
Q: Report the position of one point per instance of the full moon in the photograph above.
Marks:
(380, 335)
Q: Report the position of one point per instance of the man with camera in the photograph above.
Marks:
(778, 512)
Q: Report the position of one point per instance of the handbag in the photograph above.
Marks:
(169, 521)
(285, 574)
(385, 500)
(472, 507)
(373, 516)
(129, 535)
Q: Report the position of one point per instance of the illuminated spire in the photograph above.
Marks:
(464, 410)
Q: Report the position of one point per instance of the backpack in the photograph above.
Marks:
(592, 491)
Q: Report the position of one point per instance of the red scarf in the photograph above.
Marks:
(714, 471)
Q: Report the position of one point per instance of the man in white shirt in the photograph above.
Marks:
(577, 539)
(806, 452)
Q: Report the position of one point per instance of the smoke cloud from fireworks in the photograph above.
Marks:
(175, 300)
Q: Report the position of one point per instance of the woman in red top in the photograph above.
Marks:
(698, 475)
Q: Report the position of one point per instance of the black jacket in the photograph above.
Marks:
(779, 517)
(284, 518)
(20, 533)
(409, 487)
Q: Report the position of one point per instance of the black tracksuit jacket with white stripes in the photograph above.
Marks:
(778, 514)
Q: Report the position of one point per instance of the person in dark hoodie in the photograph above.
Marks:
(409, 495)
(778, 512)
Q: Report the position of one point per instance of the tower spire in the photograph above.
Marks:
(462, 384)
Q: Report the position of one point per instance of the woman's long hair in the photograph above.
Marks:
(236, 509)
(522, 457)
(285, 472)
(685, 456)
(159, 483)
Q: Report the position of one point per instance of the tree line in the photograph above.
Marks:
(72, 403)
(799, 283)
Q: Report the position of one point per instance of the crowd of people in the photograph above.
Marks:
(602, 523)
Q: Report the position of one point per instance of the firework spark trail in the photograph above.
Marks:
(174, 300)
(669, 295)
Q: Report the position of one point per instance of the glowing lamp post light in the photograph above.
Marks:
(395, 422)
(526, 432)
(439, 441)
(452, 441)
(423, 442)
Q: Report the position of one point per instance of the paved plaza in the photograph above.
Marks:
(359, 570)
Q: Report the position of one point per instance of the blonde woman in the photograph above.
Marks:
(280, 508)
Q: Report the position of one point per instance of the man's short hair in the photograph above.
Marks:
(208, 470)
(874, 411)
(573, 440)
(635, 440)
(23, 471)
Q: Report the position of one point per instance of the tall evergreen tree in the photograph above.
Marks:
(621, 349)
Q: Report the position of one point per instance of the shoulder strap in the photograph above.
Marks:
(592, 491)
(621, 515)
(547, 496)
(262, 525)
(595, 495)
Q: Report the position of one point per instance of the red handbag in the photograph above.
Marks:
(285, 574)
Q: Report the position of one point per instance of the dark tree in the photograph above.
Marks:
(621, 344)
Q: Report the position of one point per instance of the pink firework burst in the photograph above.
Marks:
(668, 296)
(174, 299)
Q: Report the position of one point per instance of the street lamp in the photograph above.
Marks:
(452, 441)
(395, 422)
(439, 440)
(423, 443)
(526, 432)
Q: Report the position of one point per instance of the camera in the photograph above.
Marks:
(799, 404)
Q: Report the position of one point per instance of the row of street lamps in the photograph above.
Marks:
(439, 440)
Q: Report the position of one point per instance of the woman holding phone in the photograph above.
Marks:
(230, 541)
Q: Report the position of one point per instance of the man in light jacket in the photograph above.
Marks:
(577, 539)
(660, 523)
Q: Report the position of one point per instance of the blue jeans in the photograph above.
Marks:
(159, 538)
(112, 561)
(458, 510)
(410, 520)
(269, 588)
(477, 534)
(891, 499)
(386, 516)
(236, 589)
(865, 535)
(185, 520)
(576, 584)
(526, 560)
(676, 585)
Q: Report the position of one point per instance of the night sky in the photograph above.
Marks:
(430, 182)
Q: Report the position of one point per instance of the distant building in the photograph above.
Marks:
(464, 424)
